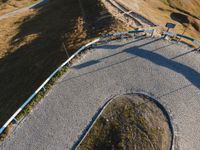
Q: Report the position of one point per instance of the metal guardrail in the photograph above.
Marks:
(172, 34)
(43, 85)
(74, 55)
(138, 18)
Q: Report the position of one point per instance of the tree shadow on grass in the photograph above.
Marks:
(29, 65)
(181, 18)
(3, 1)
(96, 27)
(23, 71)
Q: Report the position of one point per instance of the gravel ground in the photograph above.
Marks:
(166, 70)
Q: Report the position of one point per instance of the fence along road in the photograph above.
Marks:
(13, 117)
(168, 70)
(35, 93)
(42, 2)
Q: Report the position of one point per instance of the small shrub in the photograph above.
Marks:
(196, 25)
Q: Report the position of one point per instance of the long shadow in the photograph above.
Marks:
(121, 45)
(30, 63)
(94, 27)
(163, 47)
(98, 69)
(181, 18)
(183, 54)
(93, 62)
(150, 42)
(23, 70)
(86, 64)
(174, 91)
(189, 73)
(135, 41)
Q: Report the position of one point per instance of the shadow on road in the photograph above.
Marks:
(189, 73)
(138, 51)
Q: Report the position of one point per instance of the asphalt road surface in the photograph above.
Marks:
(166, 70)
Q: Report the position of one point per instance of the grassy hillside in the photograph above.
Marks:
(162, 11)
(188, 6)
(31, 45)
(7, 6)
(3, 1)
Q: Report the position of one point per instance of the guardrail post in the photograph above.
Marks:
(152, 33)
(15, 121)
(44, 88)
(165, 36)
(65, 50)
(135, 32)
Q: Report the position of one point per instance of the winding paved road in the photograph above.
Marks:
(166, 70)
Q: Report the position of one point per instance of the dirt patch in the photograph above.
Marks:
(129, 122)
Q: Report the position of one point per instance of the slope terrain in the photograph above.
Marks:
(191, 7)
(31, 45)
(7, 6)
(183, 13)
(164, 69)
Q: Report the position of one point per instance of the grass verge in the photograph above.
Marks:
(34, 101)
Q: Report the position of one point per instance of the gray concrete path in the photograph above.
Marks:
(164, 69)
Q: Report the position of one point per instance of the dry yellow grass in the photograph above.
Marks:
(31, 45)
(9, 29)
(132, 123)
(159, 12)
(11, 5)
(188, 6)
